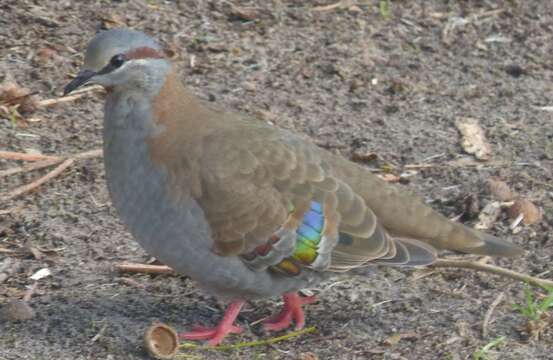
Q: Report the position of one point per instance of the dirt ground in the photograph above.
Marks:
(358, 79)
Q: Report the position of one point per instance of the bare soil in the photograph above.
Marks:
(358, 79)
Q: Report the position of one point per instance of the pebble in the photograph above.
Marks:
(16, 310)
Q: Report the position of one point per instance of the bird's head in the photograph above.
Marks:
(122, 59)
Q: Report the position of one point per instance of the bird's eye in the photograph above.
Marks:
(117, 60)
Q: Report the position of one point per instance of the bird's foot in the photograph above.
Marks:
(290, 311)
(215, 335)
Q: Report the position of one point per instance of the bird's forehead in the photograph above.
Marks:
(112, 42)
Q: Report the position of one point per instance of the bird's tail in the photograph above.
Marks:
(470, 241)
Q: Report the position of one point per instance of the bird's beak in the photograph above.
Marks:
(82, 78)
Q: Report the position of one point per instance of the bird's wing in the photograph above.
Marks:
(270, 196)
(279, 201)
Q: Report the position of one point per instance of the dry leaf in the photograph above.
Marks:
(500, 190)
(474, 140)
(12, 95)
(394, 339)
(530, 212)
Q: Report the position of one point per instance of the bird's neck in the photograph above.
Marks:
(175, 106)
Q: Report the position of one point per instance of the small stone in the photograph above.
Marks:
(354, 9)
(355, 84)
(16, 310)
(244, 14)
(248, 86)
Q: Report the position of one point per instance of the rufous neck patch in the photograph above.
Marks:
(143, 53)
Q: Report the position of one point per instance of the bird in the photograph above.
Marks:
(244, 208)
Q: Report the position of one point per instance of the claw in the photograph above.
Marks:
(216, 334)
(290, 311)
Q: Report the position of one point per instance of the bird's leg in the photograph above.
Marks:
(290, 311)
(216, 334)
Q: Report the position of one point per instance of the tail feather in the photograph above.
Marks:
(410, 252)
(458, 237)
(491, 245)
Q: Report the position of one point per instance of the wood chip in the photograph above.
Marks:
(488, 216)
(473, 138)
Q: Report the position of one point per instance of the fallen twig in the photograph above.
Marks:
(12, 155)
(77, 94)
(489, 313)
(328, 7)
(33, 185)
(492, 269)
(41, 161)
(7, 251)
(36, 165)
(87, 154)
(144, 268)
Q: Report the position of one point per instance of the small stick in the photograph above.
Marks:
(42, 161)
(33, 185)
(12, 155)
(489, 313)
(77, 94)
(492, 269)
(144, 268)
(88, 154)
(30, 167)
(50, 102)
(328, 7)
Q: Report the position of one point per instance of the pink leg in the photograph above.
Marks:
(216, 334)
(290, 311)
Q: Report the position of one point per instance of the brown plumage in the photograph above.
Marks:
(246, 175)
